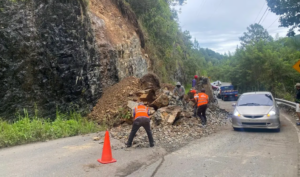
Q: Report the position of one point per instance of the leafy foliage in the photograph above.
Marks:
(255, 33)
(27, 129)
(263, 66)
(175, 56)
(289, 11)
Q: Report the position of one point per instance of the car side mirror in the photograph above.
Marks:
(234, 104)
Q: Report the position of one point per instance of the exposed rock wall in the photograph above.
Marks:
(117, 32)
(130, 59)
(59, 54)
(48, 57)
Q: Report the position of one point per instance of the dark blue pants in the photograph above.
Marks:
(201, 113)
(137, 123)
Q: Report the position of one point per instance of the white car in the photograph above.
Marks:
(256, 110)
(217, 83)
(216, 90)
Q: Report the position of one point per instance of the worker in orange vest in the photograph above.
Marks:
(141, 118)
(202, 101)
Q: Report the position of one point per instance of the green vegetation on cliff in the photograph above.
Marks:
(260, 63)
(174, 55)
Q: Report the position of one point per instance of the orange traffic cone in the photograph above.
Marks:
(106, 151)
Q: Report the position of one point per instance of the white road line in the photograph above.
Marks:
(298, 132)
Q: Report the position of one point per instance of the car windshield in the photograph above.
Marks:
(256, 100)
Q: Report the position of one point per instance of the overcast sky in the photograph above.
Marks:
(218, 24)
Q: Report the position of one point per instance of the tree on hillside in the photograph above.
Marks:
(174, 56)
(289, 11)
(291, 33)
(180, 2)
(255, 33)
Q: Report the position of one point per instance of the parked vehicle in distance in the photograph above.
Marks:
(217, 83)
(215, 89)
(256, 110)
(227, 93)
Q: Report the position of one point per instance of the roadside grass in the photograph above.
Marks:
(32, 129)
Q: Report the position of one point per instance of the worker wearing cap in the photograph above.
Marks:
(202, 101)
(141, 118)
(180, 91)
(297, 100)
(193, 91)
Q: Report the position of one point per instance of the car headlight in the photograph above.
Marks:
(271, 113)
(236, 113)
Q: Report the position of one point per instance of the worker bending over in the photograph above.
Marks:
(141, 118)
(180, 91)
(202, 101)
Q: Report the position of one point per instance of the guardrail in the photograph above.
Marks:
(285, 102)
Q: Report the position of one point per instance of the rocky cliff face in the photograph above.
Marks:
(117, 31)
(59, 54)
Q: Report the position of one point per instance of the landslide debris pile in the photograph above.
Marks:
(114, 99)
(173, 135)
(171, 125)
(112, 107)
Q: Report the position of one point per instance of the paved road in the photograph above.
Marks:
(75, 156)
(226, 153)
(234, 154)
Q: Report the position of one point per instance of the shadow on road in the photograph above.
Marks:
(252, 130)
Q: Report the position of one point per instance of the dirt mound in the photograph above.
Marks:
(150, 81)
(113, 102)
(169, 87)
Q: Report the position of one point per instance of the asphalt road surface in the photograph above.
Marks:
(74, 156)
(226, 153)
(234, 154)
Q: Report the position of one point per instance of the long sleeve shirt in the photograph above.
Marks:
(179, 91)
(193, 82)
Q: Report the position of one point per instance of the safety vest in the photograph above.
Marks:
(141, 111)
(201, 99)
